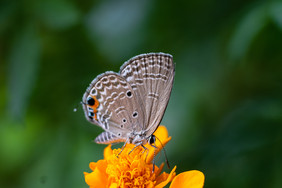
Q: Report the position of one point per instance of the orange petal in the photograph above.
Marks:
(92, 165)
(161, 133)
(150, 185)
(164, 182)
(159, 170)
(102, 165)
(96, 178)
(108, 152)
(193, 179)
(113, 185)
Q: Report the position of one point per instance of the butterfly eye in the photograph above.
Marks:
(124, 120)
(90, 101)
(152, 139)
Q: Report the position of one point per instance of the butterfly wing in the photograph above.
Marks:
(111, 103)
(108, 138)
(151, 77)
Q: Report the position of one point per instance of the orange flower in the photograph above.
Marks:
(136, 169)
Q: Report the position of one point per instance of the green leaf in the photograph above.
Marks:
(7, 9)
(248, 28)
(276, 13)
(22, 70)
(58, 14)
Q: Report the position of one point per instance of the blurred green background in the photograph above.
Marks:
(225, 111)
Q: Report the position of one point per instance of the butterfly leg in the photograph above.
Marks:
(155, 147)
(145, 149)
(135, 147)
(122, 148)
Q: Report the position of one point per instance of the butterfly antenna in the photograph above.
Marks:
(166, 160)
(76, 106)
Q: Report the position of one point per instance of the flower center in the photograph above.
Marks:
(130, 170)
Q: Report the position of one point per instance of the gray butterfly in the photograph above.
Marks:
(130, 105)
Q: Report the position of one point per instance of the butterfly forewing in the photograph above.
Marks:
(151, 77)
(115, 107)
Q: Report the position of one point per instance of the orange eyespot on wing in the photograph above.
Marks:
(92, 104)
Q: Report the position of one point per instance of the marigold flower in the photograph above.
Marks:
(136, 169)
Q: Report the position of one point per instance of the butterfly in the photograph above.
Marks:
(130, 105)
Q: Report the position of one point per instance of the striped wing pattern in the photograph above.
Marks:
(117, 104)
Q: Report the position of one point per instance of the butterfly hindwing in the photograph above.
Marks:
(115, 107)
(108, 138)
